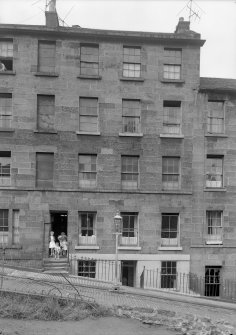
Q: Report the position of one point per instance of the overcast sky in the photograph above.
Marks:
(217, 23)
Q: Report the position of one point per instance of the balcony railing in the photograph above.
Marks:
(125, 240)
(169, 242)
(87, 240)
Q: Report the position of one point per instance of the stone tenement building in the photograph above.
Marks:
(99, 121)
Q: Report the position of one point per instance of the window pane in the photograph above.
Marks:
(44, 169)
(46, 56)
(87, 170)
(46, 111)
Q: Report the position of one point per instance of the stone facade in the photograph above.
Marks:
(36, 206)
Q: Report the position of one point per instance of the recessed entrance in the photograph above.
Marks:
(128, 270)
(58, 223)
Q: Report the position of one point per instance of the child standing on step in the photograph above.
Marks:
(57, 251)
(52, 244)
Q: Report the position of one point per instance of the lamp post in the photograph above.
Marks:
(117, 222)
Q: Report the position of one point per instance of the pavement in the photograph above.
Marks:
(102, 292)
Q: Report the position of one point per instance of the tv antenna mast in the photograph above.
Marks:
(194, 11)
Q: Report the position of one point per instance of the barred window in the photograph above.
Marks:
(171, 173)
(89, 60)
(87, 268)
(88, 114)
(168, 274)
(131, 112)
(87, 170)
(172, 63)
(215, 118)
(129, 172)
(132, 62)
(5, 110)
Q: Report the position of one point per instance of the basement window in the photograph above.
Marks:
(6, 55)
(87, 269)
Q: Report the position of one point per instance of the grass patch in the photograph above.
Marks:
(47, 308)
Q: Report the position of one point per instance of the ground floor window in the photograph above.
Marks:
(168, 274)
(212, 281)
(4, 226)
(87, 268)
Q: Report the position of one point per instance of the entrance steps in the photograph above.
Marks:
(56, 266)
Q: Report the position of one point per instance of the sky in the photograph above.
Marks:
(215, 21)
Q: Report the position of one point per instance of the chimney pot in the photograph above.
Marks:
(182, 26)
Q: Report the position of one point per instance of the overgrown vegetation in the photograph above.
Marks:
(47, 308)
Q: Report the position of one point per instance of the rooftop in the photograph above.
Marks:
(217, 84)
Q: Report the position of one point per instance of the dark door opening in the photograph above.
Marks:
(128, 269)
(212, 281)
(58, 223)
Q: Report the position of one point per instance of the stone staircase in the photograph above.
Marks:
(56, 266)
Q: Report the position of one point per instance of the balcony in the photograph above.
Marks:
(87, 240)
(215, 236)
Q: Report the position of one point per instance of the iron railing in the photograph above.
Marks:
(21, 259)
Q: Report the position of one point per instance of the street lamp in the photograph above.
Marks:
(117, 222)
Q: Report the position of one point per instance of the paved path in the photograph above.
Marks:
(40, 283)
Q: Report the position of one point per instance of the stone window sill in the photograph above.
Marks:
(216, 135)
(83, 76)
(45, 131)
(131, 134)
(214, 242)
(87, 247)
(172, 135)
(220, 189)
(46, 74)
(88, 133)
(7, 130)
(140, 79)
(172, 248)
(129, 248)
(11, 73)
(173, 81)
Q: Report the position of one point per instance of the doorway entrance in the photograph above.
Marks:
(128, 270)
(58, 223)
(212, 281)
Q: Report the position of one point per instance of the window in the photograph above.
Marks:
(87, 269)
(129, 172)
(88, 114)
(129, 229)
(45, 112)
(87, 233)
(169, 229)
(172, 64)
(89, 60)
(16, 227)
(5, 168)
(170, 173)
(168, 274)
(6, 55)
(132, 62)
(215, 118)
(131, 111)
(87, 170)
(44, 169)
(172, 117)
(5, 110)
(4, 226)
(214, 171)
(212, 281)
(214, 226)
(46, 56)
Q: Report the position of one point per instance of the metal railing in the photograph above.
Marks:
(21, 259)
(188, 283)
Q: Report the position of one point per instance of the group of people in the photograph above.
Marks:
(57, 249)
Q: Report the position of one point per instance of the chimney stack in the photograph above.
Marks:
(182, 26)
(51, 15)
